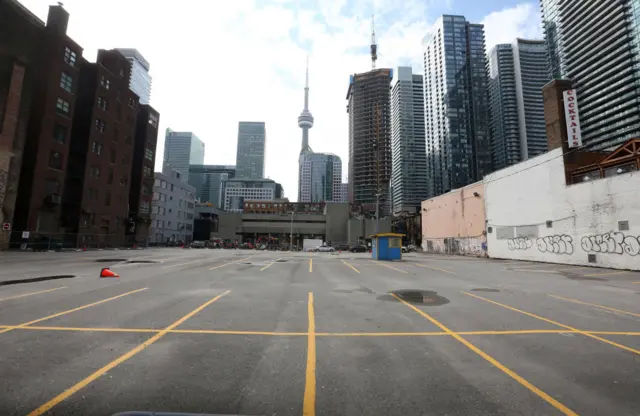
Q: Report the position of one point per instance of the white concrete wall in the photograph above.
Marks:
(585, 217)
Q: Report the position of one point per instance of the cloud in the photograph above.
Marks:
(506, 25)
(217, 63)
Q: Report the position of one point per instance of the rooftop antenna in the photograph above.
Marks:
(374, 47)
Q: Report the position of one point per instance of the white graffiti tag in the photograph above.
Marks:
(612, 242)
(557, 244)
(522, 243)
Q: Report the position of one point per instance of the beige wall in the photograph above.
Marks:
(455, 222)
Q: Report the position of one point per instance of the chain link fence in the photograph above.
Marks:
(39, 241)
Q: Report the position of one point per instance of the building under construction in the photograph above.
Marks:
(370, 139)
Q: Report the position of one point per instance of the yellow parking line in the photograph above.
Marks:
(269, 265)
(33, 293)
(318, 334)
(353, 268)
(435, 268)
(309, 404)
(553, 402)
(585, 333)
(310, 265)
(80, 385)
(604, 274)
(233, 262)
(390, 267)
(35, 321)
(596, 306)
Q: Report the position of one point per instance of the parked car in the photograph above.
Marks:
(359, 248)
(325, 249)
(342, 247)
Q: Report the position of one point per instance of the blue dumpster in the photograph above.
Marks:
(386, 246)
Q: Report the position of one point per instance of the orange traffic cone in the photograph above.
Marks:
(108, 273)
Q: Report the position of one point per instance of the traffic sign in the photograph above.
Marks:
(6, 226)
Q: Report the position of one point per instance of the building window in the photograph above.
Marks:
(148, 154)
(153, 120)
(62, 106)
(66, 82)
(132, 103)
(116, 135)
(146, 189)
(100, 125)
(107, 199)
(164, 184)
(102, 103)
(95, 171)
(110, 176)
(70, 56)
(51, 187)
(163, 197)
(146, 171)
(59, 133)
(144, 207)
(96, 148)
(112, 155)
(105, 82)
(55, 160)
(93, 194)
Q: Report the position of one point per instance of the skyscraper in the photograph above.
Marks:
(320, 177)
(305, 120)
(595, 46)
(182, 149)
(140, 82)
(456, 101)
(517, 73)
(252, 137)
(408, 153)
(370, 138)
(208, 182)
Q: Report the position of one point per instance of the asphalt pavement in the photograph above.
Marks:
(278, 333)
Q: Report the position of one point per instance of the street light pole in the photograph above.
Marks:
(377, 213)
(291, 236)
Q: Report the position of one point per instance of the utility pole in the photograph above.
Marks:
(291, 236)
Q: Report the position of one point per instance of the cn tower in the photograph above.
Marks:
(305, 120)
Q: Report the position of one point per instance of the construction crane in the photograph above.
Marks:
(374, 46)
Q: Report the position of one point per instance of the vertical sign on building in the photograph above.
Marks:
(572, 118)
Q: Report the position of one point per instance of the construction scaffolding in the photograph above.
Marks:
(370, 139)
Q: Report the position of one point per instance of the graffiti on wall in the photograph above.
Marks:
(521, 243)
(613, 242)
(556, 244)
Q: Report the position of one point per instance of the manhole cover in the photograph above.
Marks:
(422, 297)
(281, 261)
(485, 289)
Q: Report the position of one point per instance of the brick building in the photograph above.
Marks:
(141, 189)
(19, 34)
(98, 182)
(55, 73)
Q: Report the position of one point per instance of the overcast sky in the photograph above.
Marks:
(217, 62)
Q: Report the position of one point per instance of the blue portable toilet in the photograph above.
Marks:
(386, 246)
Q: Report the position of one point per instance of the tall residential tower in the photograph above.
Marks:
(456, 104)
(408, 154)
(594, 44)
(517, 73)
